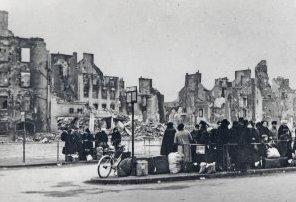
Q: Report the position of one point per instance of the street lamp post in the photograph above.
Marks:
(23, 119)
(131, 98)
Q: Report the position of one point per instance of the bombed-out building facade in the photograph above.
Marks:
(252, 98)
(48, 91)
(80, 90)
(24, 90)
(150, 103)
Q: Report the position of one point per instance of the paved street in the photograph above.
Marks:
(67, 183)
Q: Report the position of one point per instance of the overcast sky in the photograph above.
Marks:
(164, 39)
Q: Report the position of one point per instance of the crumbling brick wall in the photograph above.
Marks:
(24, 82)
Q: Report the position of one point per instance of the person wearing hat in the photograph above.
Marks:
(244, 148)
(167, 145)
(101, 139)
(274, 130)
(222, 137)
(203, 133)
(115, 138)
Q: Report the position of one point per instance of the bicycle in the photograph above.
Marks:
(110, 162)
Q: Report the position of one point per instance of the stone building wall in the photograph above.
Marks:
(23, 81)
(84, 86)
(252, 98)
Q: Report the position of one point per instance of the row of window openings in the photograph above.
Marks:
(96, 94)
(24, 80)
(79, 110)
(97, 82)
(25, 54)
(96, 106)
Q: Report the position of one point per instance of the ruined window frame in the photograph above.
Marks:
(96, 106)
(21, 79)
(86, 85)
(112, 94)
(71, 110)
(112, 106)
(200, 113)
(26, 58)
(5, 100)
(79, 111)
(4, 52)
(4, 76)
(104, 93)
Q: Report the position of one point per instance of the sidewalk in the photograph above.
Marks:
(47, 164)
(184, 176)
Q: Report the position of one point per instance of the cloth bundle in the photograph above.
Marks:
(175, 162)
(207, 168)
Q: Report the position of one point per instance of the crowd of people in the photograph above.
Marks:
(243, 145)
(84, 143)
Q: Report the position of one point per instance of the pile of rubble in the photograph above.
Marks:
(71, 122)
(143, 130)
(44, 138)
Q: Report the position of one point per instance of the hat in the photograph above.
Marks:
(225, 122)
(203, 123)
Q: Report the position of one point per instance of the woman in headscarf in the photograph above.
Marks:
(183, 140)
(168, 145)
(285, 140)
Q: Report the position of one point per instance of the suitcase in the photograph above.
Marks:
(157, 164)
(151, 165)
(276, 162)
(142, 168)
(161, 165)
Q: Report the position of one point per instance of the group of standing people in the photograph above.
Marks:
(244, 142)
(85, 143)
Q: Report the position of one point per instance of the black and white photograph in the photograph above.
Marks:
(147, 100)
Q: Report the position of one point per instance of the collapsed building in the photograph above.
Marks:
(80, 90)
(251, 98)
(24, 92)
(150, 103)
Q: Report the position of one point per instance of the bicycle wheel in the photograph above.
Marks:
(105, 166)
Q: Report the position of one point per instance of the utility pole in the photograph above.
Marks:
(23, 119)
(133, 138)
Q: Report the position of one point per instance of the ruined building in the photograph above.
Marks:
(150, 105)
(252, 98)
(23, 82)
(193, 99)
(80, 90)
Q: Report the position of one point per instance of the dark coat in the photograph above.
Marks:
(284, 133)
(87, 139)
(168, 145)
(195, 136)
(78, 141)
(116, 137)
(244, 150)
(254, 133)
(101, 137)
(233, 134)
(70, 145)
(222, 135)
(203, 136)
